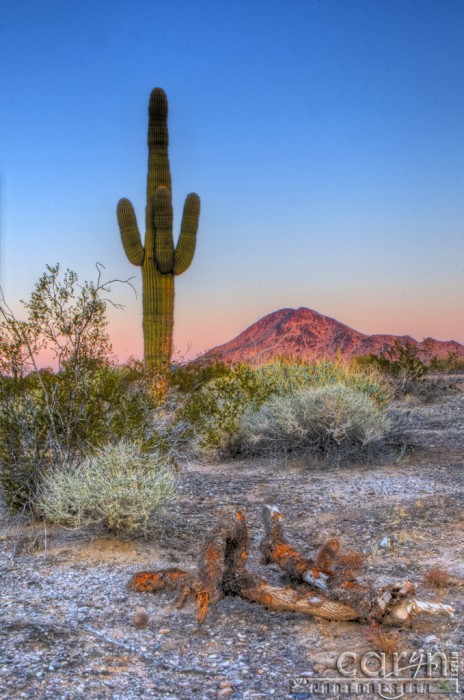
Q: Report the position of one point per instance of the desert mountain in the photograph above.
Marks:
(309, 335)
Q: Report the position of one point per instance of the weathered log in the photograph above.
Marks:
(222, 571)
(332, 565)
(221, 566)
(275, 548)
(287, 599)
(394, 603)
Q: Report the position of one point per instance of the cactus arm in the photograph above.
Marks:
(130, 235)
(162, 222)
(185, 248)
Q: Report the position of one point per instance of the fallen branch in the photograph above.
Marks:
(332, 564)
(393, 603)
(222, 571)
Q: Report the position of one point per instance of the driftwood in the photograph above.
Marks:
(222, 571)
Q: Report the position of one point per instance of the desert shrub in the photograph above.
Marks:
(333, 420)
(283, 377)
(131, 372)
(49, 418)
(437, 577)
(386, 641)
(61, 418)
(452, 363)
(430, 389)
(189, 377)
(401, 362)
(211, 413)
(121, 488)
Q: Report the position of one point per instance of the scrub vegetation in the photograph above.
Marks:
(87, 443)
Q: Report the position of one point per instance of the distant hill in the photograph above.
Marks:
(306, 334)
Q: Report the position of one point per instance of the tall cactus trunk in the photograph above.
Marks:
(159, 259)
(158, 327)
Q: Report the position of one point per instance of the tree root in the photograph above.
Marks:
(222, 571)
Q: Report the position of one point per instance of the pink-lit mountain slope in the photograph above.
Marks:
(309, 335)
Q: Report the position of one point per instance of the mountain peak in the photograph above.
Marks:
(306, 334)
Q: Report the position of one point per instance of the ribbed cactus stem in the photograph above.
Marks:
(159, 259)
(162, 219)
(158, 322)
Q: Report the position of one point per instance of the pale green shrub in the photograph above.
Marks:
(52, 418)
(121, 489)
(211, 414)
(284, 377)
(337, 421)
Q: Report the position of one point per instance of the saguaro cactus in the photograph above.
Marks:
(159, 259)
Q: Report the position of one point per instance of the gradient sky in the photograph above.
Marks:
(325, 139)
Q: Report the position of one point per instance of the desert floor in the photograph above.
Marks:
(67, 617)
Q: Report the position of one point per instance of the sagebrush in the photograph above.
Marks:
(212, 411)
(329, 420)
(122, 489)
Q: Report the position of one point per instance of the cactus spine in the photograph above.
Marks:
(159, 259)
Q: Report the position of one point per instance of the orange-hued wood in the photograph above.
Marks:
(222, 571)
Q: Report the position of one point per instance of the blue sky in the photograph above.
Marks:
(325, 139)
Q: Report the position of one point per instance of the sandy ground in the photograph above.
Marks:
(67, 618)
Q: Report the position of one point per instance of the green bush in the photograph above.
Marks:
(401, 362)
(49, 418)
(61, 418)
(452, 363)
(211, 413)
(283, 377)
(191, 376)
(334, 420)
(121, 488)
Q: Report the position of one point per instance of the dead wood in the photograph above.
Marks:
(275, 549)
(173, 579)
(332, 564)
(222, 571)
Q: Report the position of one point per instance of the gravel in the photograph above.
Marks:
(68, 623)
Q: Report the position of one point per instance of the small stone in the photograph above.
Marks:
(164, 630)
(140, 618)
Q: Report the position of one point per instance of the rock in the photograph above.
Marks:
(140, 618)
